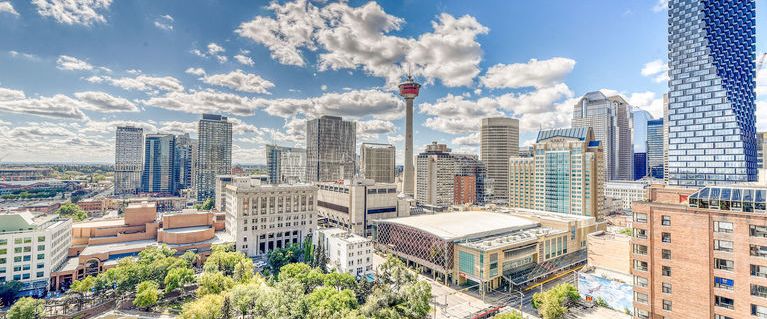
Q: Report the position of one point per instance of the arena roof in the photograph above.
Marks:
(457, 226)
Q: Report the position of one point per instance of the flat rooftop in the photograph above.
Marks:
(128, 245)
(464, 225)
(100, 223)
(192, 229)
(516, 238)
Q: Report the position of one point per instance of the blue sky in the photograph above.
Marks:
(70, 75)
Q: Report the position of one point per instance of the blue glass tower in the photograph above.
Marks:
(655, 148)
(159, 176)
(711, 52)
(640, 165)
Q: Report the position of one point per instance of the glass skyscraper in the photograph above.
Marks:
(655, 148)
(214, 153)
(159, 175)
(711, 51)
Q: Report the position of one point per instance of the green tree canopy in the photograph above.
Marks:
(84, 286)
(328, 302)
(551, 304)
(178, 278)
(146, 295)
(26, 308)
(71, 210)
(213, 283)
(509, 315)
(205, 307)
(9, 290)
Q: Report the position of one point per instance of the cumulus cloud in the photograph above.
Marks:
(660, 5)
(369, 130)
(65, 62)
(103, 102)
(49, 142)
(359, 38)
(656, 69)
(534, 73)
(164, 22)
(206, 101)
(243, 58)
(354, 104)
(195, 71)
(647, 100)
(6, 6)
(240, 81)
(471, 140)
(141, 83)
(454, 114)
(57, 106)
(761, 81)
(213, 50)
(82, 12)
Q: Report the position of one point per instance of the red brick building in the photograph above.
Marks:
(464, 190)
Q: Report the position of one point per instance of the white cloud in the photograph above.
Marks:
(243, 59)
(656, 69)
(761, 80)
(82, 12)
(28, 56)
(103, 102)
(355, 104)
(240, 81)
(324, 87)
(214, 49)
(454, 114)
(761, 115)
(57, 106)
(534, 73)
(56, 142)
(471, 140)
(65, 62)
(141, 83)
(164, 22)
(660, 5)
(6, 6)
(195, 71)
(535, 102)
(369, 130)
(647, 100)
(358, 37)
(207, 101)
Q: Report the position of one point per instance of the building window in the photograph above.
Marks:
(759, 311)
(666, 288)
(642, 314)
(665, 220)
(724, 264)
(759, 291)
(640, 297)
(640, 249)
(640, 218)
(640, 265)
(724, 302)
(723, 283)
(666, 271)
(666, 254)
(665, 237)
(723, 227)
(759, 271)
(758, 251)
(716, 316)
(666, 305)
(757, 231)
(723, 245)
(640, 233)
(640, 282)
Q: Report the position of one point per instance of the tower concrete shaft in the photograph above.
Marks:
(408, 186)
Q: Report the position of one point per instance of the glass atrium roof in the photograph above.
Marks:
(732, 198)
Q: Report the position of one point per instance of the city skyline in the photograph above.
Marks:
(107, 78)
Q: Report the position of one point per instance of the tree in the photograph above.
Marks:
(71, 210)
(226, 308)
(327, 302)
(206, 307)
(26, 308)
(206, 205)
(394, 273)
(509, 315)
(8, 291)
(213, 283)
(307, 250)
(320, 260)
(190, 258)
(84, 286)
(552, 303)
(146, 295)
(178, 278)
(397, 294)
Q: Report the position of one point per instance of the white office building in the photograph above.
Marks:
(627, 192)
(129, 160)
(31, 248)
(377, 162)
(346, 252)
(352, 204)
(261, 217)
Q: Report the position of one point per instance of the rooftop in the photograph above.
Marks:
(100, 223)
(464, 225)
(580, 133)
(516, 238)
(25, 221)
(128, 245)
(192, 229)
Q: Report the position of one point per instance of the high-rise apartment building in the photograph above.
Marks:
(655, 148)
(214, 153)
(185, 151)
(712, 122)
(565, 174)
(499, 141)
(377, 162)
(263, 217)
(700, 253)
(436, 171)
(610, 119)
(129, 159)
(331, 145)
(285, 164)
(470, 170)
(159, 176)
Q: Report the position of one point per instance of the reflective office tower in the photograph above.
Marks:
(159, 175)
(640, 165)
(761, 145)
(565, 174)
(665, 138)
(499, 140)
(377, 162)
(712, 133)
(285, 164)
(655, 148)
(184, 161)
(214, 153)
(129, 159)
(610, 119)
(331, 151)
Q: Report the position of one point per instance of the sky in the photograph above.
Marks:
(72, 71)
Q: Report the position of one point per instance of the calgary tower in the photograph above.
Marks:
(409, 90)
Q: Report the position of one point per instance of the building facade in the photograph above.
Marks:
(761, 144)
(331, 145)
(566, 174)
(353, 204)
(499, 141)
(701, 253)
(285, 164)
(436, 171)
(185, 161)
(159, 176)
(262, 217)
(129, 160)
(214, 153)
(610, 119)
(712, 121)
(640, 165)
(627, 192)
(655, 148)
(346, 252)
(377, 162)
(32, 248)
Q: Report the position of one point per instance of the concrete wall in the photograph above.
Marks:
(609, 251)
